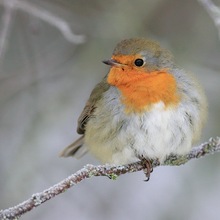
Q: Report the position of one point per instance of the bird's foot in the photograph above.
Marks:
(148, 168)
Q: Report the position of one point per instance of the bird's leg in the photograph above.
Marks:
(147, 164)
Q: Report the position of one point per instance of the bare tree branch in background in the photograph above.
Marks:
(207, 148)
(212, 146)
(213, 11)
(6, 25)
(59, 23)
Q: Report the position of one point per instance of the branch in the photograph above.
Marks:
(47, 16)
(213, 11)
(111, 171)
(6, 26)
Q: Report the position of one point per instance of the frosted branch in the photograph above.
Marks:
(112, 172)
(213, 11)
(48, 17)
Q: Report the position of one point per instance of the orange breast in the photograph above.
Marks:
(140, 89)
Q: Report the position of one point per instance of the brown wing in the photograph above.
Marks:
(77, 148)
(87, 112)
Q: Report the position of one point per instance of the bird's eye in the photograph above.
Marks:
(139, 62)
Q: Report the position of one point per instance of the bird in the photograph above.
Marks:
(146, 108)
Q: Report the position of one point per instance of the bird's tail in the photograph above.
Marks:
(76, 149)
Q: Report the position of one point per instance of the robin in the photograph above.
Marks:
(145, 108)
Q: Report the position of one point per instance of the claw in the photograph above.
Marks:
(148, 168)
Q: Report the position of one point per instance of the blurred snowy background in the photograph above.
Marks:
(46, 75)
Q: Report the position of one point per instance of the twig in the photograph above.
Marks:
(213, 11)
(207, 148)
(6, 25)
(48, 17)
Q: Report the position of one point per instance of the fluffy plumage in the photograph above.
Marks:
(148, 111)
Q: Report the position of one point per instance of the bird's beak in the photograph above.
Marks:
(112, 62)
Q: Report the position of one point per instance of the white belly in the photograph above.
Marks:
(117, 138)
